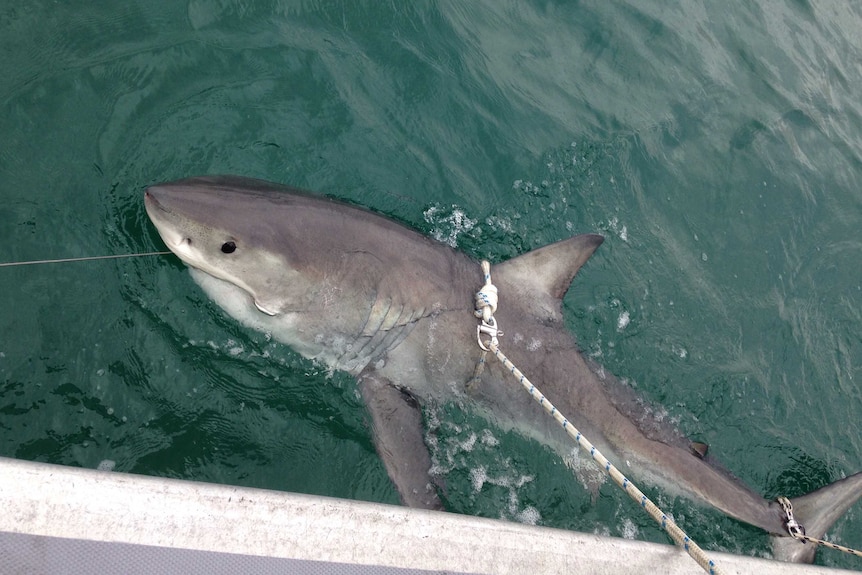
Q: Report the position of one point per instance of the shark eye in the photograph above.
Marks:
(228, 247)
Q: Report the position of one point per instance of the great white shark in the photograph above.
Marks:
(364, 294)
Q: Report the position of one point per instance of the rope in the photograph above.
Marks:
(672, 529)
(835, 546)
(486, 305)
(486, 297)
(64, 260)
(677, 534)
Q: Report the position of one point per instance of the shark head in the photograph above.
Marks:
(322, 276)
(222, 234)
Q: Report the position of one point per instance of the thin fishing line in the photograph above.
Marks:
(84, 259)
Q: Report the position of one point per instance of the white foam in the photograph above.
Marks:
(447, 228)
(468, 444)
(623, 320)
(233, 348)
(629, 529)
(499, 223)
(489, 439)
(620, 230)
(530, 516)
(478, 477)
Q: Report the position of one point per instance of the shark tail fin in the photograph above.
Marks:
(816, 512)
(544, 275)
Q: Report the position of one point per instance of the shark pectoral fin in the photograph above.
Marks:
(397, 429)
(816, 512)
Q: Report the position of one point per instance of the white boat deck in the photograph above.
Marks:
(63, 520)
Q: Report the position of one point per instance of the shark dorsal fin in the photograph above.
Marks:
(547, 272)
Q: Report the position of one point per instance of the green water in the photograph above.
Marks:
(717, 146)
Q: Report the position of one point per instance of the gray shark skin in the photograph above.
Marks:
(361, 293)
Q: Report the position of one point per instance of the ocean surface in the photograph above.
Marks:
(716, 145)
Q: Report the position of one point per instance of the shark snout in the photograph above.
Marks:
(151, 199)
(165, 220)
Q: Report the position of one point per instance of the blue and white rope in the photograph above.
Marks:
(485, 311)
(672, 529)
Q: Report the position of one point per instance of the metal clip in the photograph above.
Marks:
(795, 530)
(488, 328)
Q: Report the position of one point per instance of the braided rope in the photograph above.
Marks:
(831, 545)
(672, 529)
(486, 297)
(676, 533)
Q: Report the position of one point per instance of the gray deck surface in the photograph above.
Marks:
(62, 520)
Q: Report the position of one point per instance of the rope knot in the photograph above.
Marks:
(486, 297)
(486, 305)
